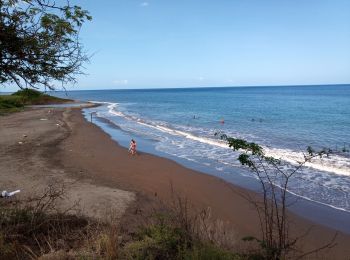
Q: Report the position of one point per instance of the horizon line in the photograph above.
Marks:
(218, 87)
(248, 86)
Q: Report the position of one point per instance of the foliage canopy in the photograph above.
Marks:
(39, 42)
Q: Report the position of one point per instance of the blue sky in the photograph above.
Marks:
(201, 43)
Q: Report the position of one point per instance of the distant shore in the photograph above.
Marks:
(85, 152)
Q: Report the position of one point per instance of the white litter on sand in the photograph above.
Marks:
(6, 194)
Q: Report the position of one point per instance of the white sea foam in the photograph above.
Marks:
(316, 201)
(334, 164)
(102, 102)
(318, 181)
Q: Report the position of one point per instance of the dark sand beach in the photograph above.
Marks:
(77, 151)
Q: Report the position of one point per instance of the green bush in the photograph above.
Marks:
(167, 241)
(28, 93)
(35, 97)
(208, 252)
(7, 102)
(17, 100)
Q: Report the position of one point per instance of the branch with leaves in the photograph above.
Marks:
(276, 240)
(39, 43)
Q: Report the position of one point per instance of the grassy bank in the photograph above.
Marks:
(35, 228)
(18, 100)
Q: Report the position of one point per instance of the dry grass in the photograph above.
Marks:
(201, 224)
(36, 228)
(178, 231)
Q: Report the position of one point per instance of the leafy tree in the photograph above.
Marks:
(39, 42)
(276, 240)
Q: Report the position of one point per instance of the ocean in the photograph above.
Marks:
(181, 124)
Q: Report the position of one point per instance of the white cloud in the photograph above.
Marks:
(144, 4)
(201, 78)
(120, 82)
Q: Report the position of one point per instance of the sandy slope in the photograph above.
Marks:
(28, 161)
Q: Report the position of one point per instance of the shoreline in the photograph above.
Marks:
(201, 189)
(327, 215)
(86, 153)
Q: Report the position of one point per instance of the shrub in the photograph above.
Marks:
(33, 227)
(28, 93)
(168, 241)
(8, 102)
(17, 100)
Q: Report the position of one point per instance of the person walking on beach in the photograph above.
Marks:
(132, 148)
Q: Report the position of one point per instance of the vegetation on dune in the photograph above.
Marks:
(36, 228)
(24, 97)
(32, 227)
(168, 240)
(180, 232)
(34, 97)
(10, 103)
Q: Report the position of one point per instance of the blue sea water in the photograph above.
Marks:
(181, 124)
